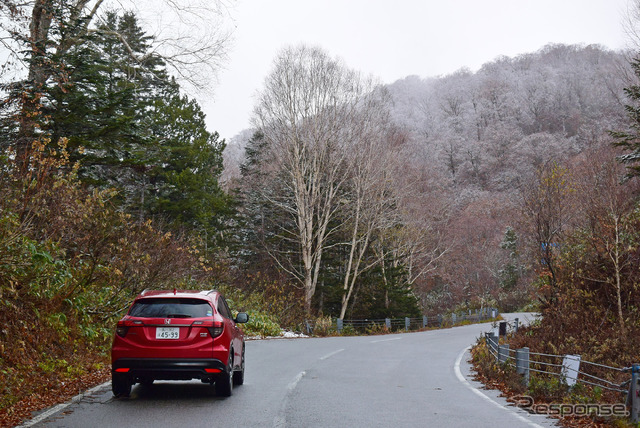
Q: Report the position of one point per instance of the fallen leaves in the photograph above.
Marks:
(51, 395)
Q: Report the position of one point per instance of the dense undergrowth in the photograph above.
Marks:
(546, 392)
(582, 313)
(594, 339)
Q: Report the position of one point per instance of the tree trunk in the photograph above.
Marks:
(354, 242)
(41, 18)
(617, 268)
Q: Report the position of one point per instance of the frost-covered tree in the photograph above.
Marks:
(312, 112)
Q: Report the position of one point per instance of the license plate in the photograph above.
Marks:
(167, 332)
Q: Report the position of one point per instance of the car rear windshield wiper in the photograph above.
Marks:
(178, 316)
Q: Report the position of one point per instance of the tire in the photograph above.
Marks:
(238, 376)
(120, 385)
(224, 384)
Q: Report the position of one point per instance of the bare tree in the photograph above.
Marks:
(310, 113)
(631, 23)
(416, 240)
(547, 205)
(371, 200)
(609, 206)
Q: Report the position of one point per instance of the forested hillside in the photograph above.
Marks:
(487, 137)
(467, 155)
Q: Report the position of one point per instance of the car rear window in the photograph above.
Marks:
(171, 308)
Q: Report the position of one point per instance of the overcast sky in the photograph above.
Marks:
(392, 39)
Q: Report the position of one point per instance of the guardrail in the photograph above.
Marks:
(406, 323)
(571, 369)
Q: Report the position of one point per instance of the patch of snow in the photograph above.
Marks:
(284, 334)
(290, 334)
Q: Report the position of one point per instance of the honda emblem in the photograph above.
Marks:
(167, 321)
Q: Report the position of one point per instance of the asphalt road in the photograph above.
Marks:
(400, 380)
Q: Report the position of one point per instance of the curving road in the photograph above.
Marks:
(400, 380)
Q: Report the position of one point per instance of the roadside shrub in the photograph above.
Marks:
(261, 325)
(348, 330)
(273, 296)
(545, 388)
(324, 326)
(502, 376)
(376, 328)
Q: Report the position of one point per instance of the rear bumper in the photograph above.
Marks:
(169, 368)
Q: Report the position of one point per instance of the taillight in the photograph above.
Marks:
(216, 330)
(215, 327)
(123, 327)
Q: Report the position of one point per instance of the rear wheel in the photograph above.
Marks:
(120, 385)
(238, 377)
(224, 384)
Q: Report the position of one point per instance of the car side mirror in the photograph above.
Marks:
(242, 318)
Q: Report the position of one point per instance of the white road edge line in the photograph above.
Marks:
(386, 340)
(466, 383)
(331, 354)
(295, 381)
(280, 420)
(52, 411)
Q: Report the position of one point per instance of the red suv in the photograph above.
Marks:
(178, 335)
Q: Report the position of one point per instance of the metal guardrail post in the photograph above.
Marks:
(516, 324)
(407, 323)
(502, 330)
(522, 364)
(453, 319)
(503, 353)
(634, 394)
(387, 322)
(440, 319)
(425, 321)
(339, 325)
